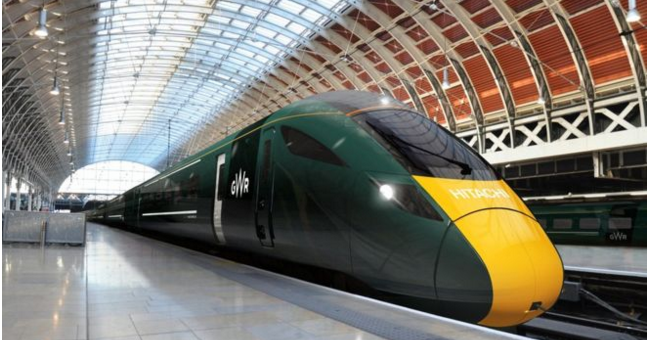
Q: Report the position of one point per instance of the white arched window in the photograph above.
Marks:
(108, 178)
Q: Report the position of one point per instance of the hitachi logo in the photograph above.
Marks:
(478, 193)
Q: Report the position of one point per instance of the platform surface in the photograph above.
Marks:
(628, 261)
(124, 286)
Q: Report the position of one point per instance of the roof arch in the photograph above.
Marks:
(132, 70)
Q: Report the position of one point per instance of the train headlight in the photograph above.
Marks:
(387, 191)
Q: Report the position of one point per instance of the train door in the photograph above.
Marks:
(265, 186)
(218, 199)
(132, 208)
(137, 222)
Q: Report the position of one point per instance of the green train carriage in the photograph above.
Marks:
(360, 184)
(608, 222)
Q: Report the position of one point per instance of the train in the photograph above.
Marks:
(361, 184)
(618, 222)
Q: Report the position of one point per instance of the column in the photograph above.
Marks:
(4, 188)
(29, 199)
(19, 183)
(7, 186)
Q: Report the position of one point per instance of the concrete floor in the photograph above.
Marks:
(124, 286)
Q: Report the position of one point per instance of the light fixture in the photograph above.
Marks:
(387, 191)
(69, 153)
(446, 79)
(55, 87)
(540, 100)
(42, 31)
(62, 117)
(633, 15)
(66, 141)
(433, 6)
(385, 101)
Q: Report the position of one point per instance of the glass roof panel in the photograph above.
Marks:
(178, 63)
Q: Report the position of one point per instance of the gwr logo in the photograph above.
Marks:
(618, 236)
(240, 184)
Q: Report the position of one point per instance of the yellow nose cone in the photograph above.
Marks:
(525, 270)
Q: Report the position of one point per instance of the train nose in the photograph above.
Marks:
(519, 262)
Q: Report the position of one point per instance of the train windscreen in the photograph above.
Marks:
(423, 147)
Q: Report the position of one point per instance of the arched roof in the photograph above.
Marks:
(138, 76)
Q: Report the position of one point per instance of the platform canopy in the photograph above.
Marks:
(152, 81)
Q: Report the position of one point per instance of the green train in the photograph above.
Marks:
(618, 222)
(358, 183)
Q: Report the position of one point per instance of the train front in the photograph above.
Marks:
(494, 260)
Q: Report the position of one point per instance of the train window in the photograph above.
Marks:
(303, 145)
(562, 223)
(220, 194)
(265, 172)
(409, 199)
(543, 223)
(589, 223)
(423, 147)
(620, 223)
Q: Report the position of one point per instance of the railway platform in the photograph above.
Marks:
(621, 261)
(125, 286)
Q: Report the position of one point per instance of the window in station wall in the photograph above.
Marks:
(107, 178)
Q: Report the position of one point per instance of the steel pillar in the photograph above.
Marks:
(19, 183)
(7, 184)
(29, 199)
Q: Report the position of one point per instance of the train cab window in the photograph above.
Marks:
(589, 223)
(620, 223)
(562, 223)
(423, 147)
(543, 223)
(303, 145)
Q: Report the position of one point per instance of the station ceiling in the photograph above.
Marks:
(153, 81)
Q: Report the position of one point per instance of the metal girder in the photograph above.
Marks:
(536, 68)
(485, 48)
(381, 17)
(633, 54)
(455, 60)
(405, 41)
(587, 86)
(445, 101)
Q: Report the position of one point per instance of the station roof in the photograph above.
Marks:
(140, 80)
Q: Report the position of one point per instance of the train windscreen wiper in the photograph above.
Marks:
(465, 167)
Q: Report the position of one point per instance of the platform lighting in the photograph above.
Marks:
(433, 6)
(62, 117)
(69, 153)
(42, 31)
(446, 79)
(385, 101)
(540, 100)
(633, 15)
(55, 87)
(66, 141)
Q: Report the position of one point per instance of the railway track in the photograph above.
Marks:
(595, 306)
